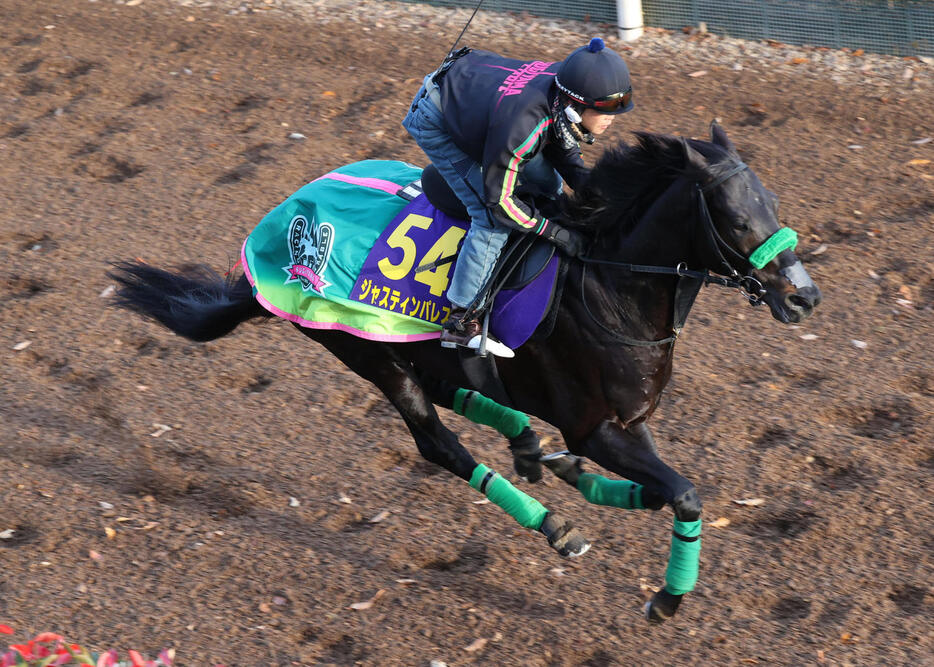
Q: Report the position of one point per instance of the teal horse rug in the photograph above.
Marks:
(354, 251)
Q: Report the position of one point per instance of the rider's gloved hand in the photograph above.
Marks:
(571, 243)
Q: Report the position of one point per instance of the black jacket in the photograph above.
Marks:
(499, 112)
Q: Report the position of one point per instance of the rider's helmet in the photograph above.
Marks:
(595, 77)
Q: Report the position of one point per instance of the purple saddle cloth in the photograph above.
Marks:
(517, 312)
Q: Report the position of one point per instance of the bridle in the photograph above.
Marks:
(750, 287)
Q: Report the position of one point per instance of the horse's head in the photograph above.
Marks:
(742, 237)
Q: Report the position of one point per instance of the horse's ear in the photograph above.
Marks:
(718, 137)
(692, 158)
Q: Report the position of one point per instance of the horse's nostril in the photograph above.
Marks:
(811, 295)
(799, 303)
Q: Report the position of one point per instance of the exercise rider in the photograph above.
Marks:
(491, 124)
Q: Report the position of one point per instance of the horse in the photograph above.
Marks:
(663, 217)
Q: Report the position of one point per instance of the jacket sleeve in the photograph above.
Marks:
(506, 151)
(568, 163)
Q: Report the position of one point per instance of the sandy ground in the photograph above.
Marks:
(162, 132)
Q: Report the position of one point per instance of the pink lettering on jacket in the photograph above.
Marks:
(519, 78)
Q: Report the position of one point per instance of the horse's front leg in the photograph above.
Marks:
(631, 453)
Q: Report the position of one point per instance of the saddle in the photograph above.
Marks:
(524, 258)
(526, 287)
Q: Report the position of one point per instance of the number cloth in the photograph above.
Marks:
(349, 252)
(341, 252)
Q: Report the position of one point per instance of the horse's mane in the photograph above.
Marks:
(628, 178)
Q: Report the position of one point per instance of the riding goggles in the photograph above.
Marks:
(609, 104)
(612, 103)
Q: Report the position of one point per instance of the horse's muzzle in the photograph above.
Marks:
(796, 298)
(800, 304)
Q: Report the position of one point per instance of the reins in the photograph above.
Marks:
(750, 287)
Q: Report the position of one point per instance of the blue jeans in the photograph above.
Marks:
(486, 236)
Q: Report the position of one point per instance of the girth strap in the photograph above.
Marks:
(482, 375)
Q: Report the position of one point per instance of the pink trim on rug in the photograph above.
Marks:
(382, 338)
(375, 183)
(246, 267)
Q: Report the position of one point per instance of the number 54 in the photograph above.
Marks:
(437, 279)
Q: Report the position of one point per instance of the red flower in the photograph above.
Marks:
(108, 659)
(136, 658)
(5, 630)
(25, 650)
(47, 637)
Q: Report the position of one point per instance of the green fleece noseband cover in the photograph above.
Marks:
(482, 410)
(784, 239)
(523, 508)
(613, 492)
(684, 562)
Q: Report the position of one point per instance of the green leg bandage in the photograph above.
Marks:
(482, 410)
(613, 492)
(523, 508)
(684, 562)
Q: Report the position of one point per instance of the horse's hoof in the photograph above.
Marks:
(529, 473)
(564, 465)
(661, 607)
(525, 450)
(564, 537)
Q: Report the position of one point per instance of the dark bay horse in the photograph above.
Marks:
(663, 217)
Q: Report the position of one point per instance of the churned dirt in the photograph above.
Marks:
(233, 499)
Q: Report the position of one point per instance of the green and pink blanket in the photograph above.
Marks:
(341, 253)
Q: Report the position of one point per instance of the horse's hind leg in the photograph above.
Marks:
(512, 424)
(379, 363)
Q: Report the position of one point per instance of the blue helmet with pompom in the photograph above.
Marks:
(595, 77)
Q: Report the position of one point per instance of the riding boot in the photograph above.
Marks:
(459, 331)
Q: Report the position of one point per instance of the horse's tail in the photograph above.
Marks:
(194, 302)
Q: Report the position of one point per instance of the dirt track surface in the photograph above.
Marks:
(138, 132)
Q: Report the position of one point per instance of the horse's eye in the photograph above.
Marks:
(741, 226)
